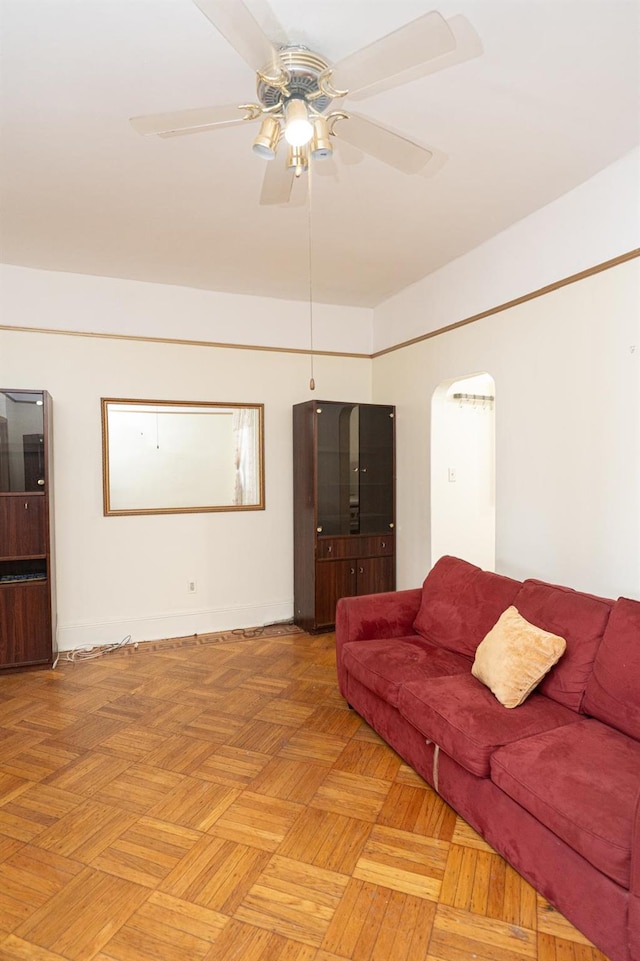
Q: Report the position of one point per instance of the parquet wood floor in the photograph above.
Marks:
(214, 800)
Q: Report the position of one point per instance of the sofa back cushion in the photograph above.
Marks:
(581, 620)
(461, 603)
(613, 691)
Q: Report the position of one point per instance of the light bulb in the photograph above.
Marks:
(298, 129)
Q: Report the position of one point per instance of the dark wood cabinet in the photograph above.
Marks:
(23, 528)
(27, 595)
(344, 506)
(25, 624)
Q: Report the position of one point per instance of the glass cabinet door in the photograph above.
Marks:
(334, 467)
(354, 468)
(21, 441)
(375, 469)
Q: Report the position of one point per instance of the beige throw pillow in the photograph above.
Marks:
(514, 656)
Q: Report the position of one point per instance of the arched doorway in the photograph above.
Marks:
(463, 519)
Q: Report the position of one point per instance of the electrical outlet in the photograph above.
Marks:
(191, 587)
(451, 475)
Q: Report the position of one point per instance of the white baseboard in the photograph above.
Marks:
(156, 627)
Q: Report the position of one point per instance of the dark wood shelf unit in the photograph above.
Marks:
(27, 582)
(344, 506)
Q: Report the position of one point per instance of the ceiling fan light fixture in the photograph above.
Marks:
(266, 141)
(298, 129)
(297, 160)
(321, 145)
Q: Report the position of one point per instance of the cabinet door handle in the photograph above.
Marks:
(383, 544)
(329, 549)
(363, 470)
(26, 505)
(361, 570)
(353, 570)
(40, 482)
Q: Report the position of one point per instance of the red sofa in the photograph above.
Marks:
(554, 784)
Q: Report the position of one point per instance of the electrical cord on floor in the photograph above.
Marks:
(248, 632)
(89, 653)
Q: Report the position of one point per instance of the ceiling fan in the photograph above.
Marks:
(297, 91)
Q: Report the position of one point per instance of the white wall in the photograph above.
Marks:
(596, 222)
(128, 575)
(567, 373)
(77, 302)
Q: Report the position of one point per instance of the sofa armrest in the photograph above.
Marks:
(372, 616)
(635, 854)
(633, 916)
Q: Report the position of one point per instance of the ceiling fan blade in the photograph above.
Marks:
(238, 26)
(423, 39)
(326, 168)
(437, 162)
(194, 120)
(382, 143)
(468, 45)
(277, 183)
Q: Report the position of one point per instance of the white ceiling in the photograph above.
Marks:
(553, 98)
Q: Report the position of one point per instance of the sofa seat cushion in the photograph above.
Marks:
(460, 604)
(582, 782)
(613, 690)
(463, 717)
(383, 665)
(577, 617)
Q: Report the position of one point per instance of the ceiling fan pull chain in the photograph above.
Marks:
(312, 383)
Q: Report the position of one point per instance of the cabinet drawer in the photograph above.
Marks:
(23, 525)
(373, 545)
(358, 545)
(331, 548)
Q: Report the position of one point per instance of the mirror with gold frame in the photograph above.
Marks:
(168, 457)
